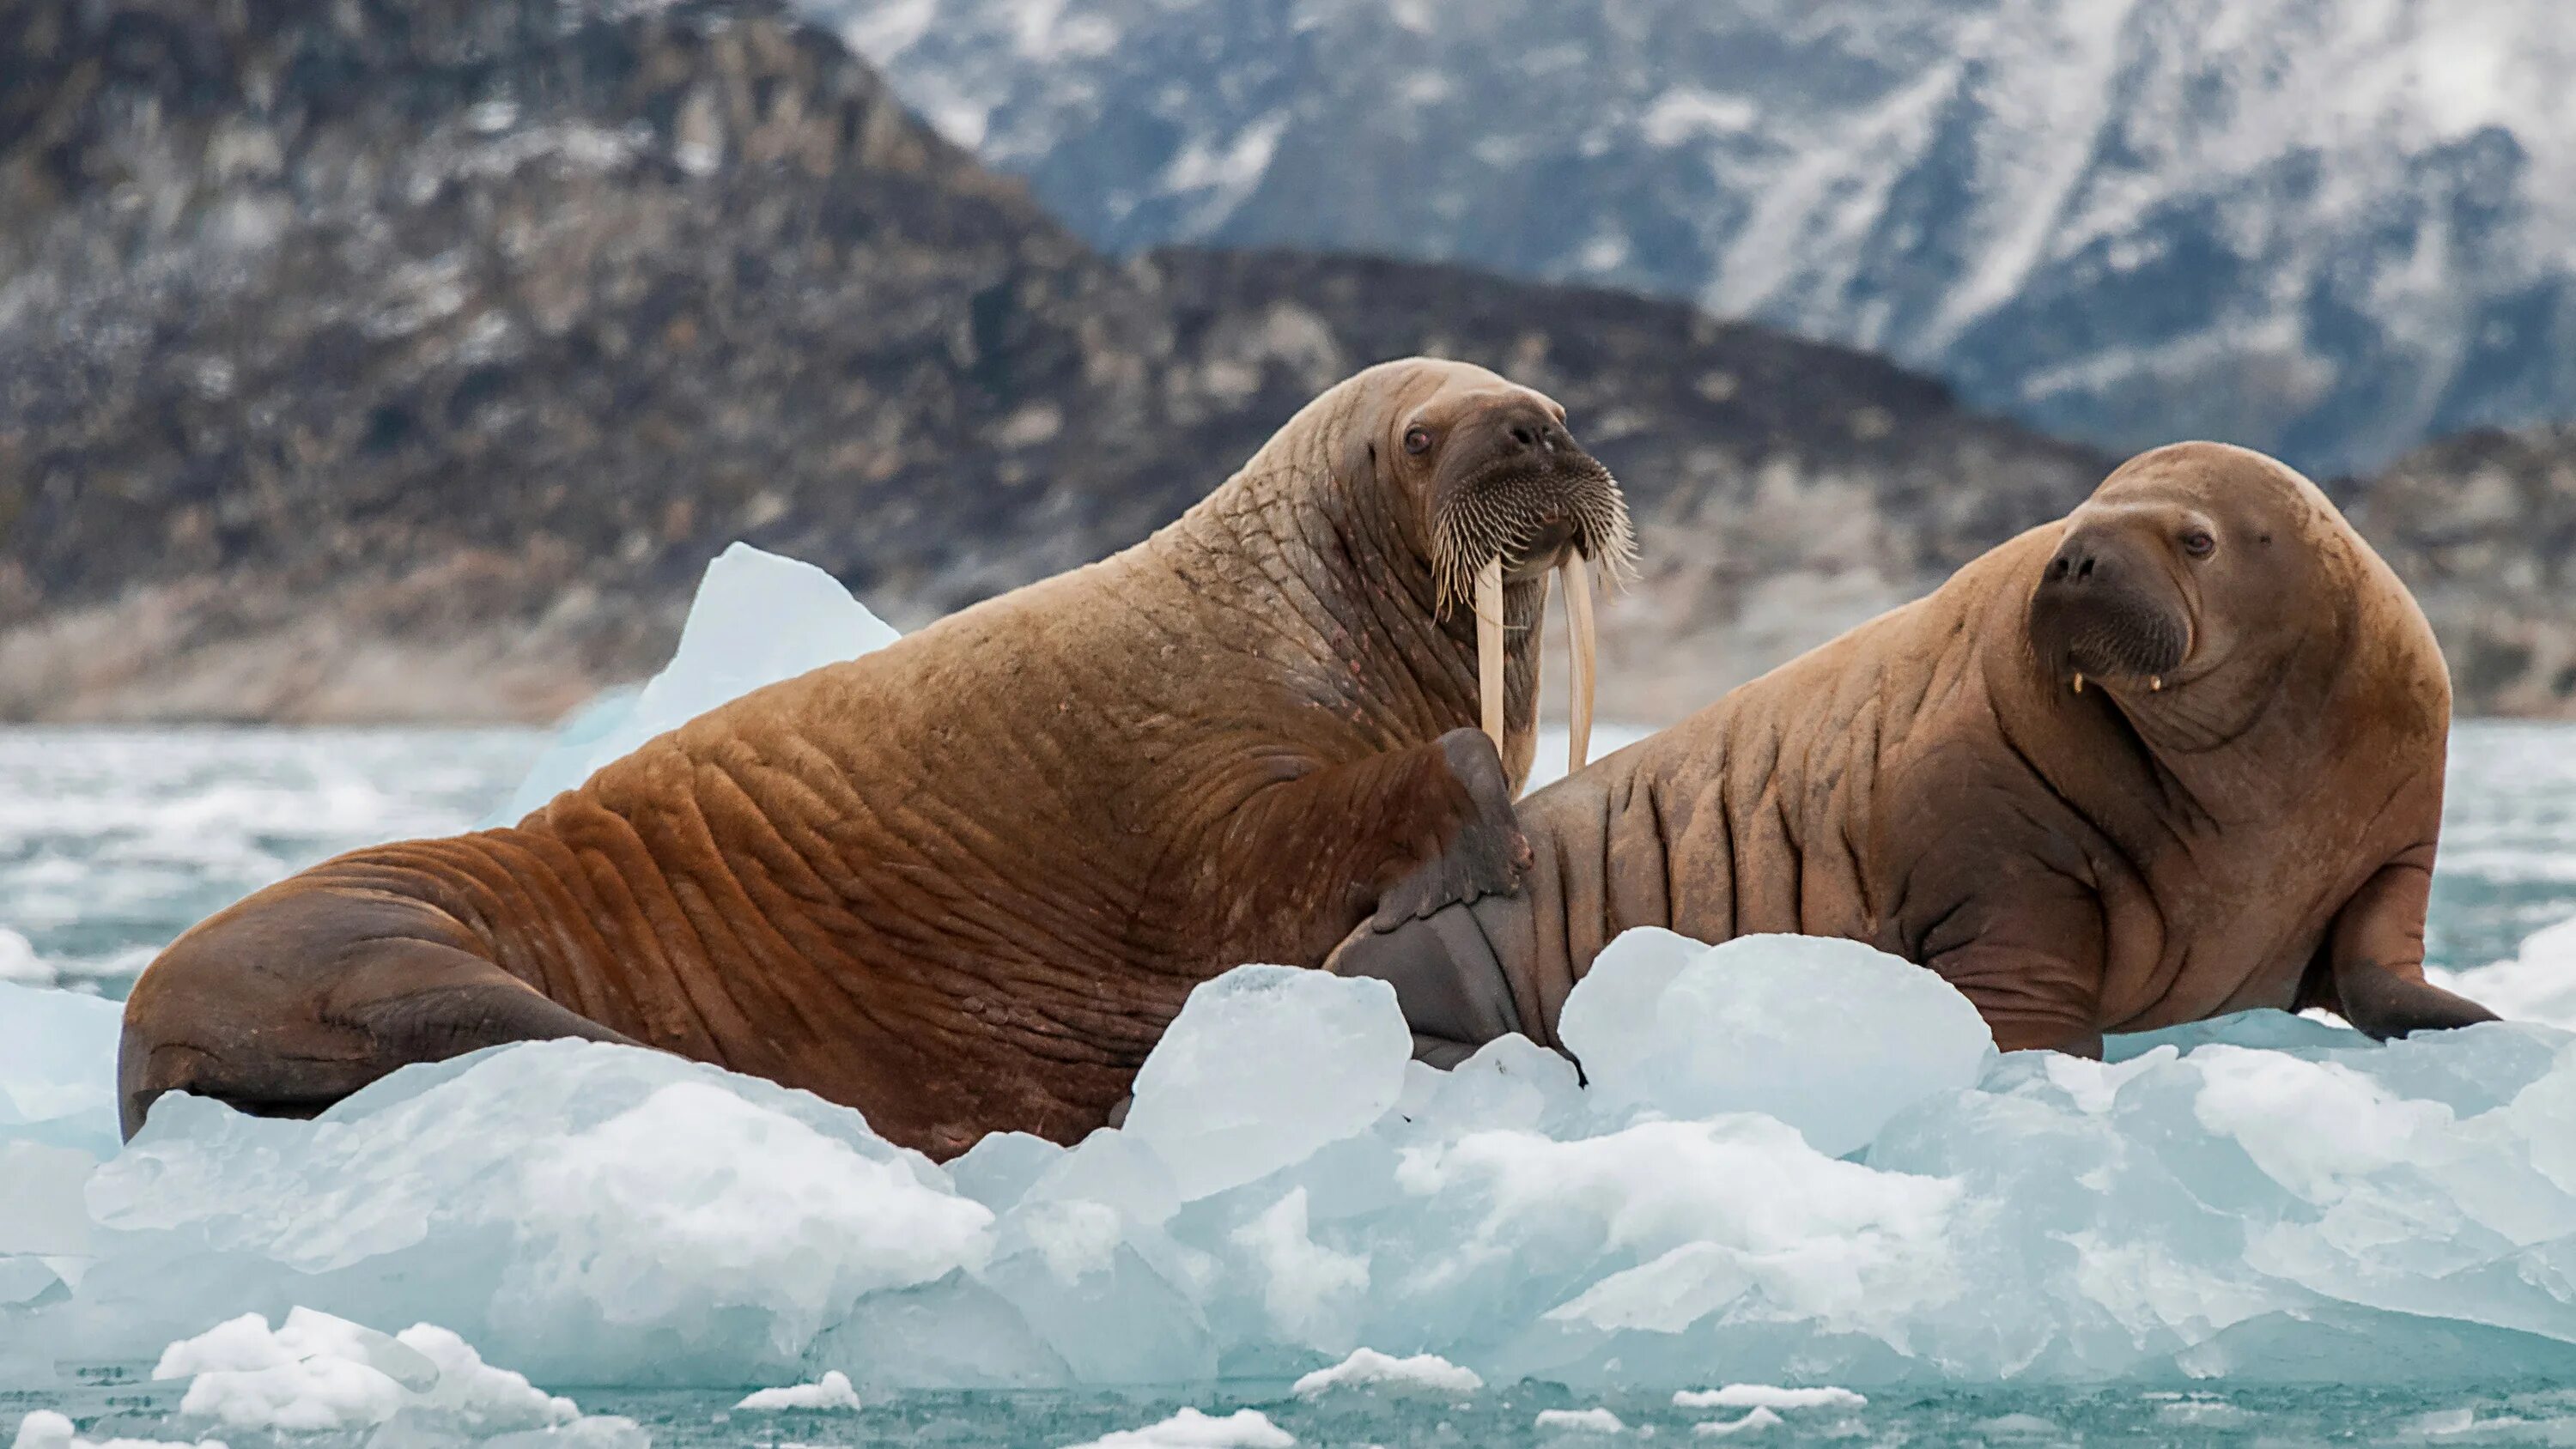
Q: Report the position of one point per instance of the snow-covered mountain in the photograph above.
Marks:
(2329, 227)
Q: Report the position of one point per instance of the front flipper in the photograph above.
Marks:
(2028, 955)
(2376, 957)
(1448, 978)
(1485, 854)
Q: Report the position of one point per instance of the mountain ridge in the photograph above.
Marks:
(367, 361)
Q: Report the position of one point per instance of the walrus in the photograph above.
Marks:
(2177, 754)
(963, 883)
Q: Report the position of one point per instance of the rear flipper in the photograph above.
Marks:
(298, 997)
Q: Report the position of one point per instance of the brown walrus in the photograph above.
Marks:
(964, 882)
(2177, 754)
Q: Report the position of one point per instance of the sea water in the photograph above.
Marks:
(112, 841)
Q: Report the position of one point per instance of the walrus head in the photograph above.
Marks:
(2191, 571)
(1504, 497)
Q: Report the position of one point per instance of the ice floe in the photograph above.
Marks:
(315, 1373)
(1367, 1368)
(2258, 1197)
(1191, 1429)
(832, 1392)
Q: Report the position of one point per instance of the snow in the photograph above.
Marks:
(1580, 1421)
(832, 1391)
(1367, 1368)
(1190, 1429)
(758, 618)
(1767, 1396)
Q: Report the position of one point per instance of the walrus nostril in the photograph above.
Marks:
(2084, 570)
(1525, 435)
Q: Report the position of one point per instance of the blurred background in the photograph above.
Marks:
(403, 362)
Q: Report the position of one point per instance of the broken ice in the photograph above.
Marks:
(1796, 1159)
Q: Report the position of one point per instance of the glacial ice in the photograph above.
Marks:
(1368, 1369)
(830, 1393)
(1191, 1429)
(1793, 1159)
(1580, 1421)
(1769, 1396)
(1752, 1423)
(757, 618)
(316, 1374)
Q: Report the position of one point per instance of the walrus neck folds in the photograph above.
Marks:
(1392, 658)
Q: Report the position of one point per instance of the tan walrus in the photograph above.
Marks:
(2177, 754)
(963, 883)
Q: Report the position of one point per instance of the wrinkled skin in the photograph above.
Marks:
(963, 883)
(2238, 809)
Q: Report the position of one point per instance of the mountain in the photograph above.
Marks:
(406, 359)
(378, 360)
(2326, 229)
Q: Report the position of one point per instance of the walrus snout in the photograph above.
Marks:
(2106, 608)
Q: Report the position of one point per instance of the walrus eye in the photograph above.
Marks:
(2198, 543)
(1417, 440)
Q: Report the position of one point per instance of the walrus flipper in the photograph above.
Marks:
(2376, 957)
(288, 1003)
(1448, 979)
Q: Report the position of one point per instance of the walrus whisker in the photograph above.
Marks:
(1489, 646)
(1578, 628)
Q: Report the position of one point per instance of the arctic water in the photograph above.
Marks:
(1794, 1163)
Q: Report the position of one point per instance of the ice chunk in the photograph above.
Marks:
(1831, 1037)
(2259, 1197)
(1766, 1396)
(2537, 985)
(316, 1373)
(19, 962)
(58, 1068)
(758, 618)
(1190, 1429)
(1263, 1066)
(831, 1392)
(584, 1209)
(1580, 1421)
(45, 1429)
(1752, 1423)
(1367, 1368)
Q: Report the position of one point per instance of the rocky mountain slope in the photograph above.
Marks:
(371, 359)
(2328, 229)
(406, 360)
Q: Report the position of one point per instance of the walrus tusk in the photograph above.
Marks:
(2155, 683)
(1578, 628)
(2079, 683)
(1489, 646)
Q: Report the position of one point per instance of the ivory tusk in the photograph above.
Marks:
(1579, 632)
(1489, 647)
(2079, 684)
(2155, 683)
